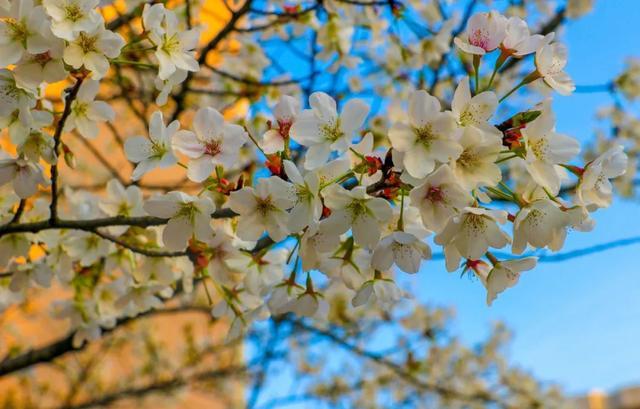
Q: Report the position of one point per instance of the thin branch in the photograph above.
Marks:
(100, 157)
(64, 345)
(139, 250)
(161, 386)
(68, 100)
(480, 396)
(18, 214)
(211, 45)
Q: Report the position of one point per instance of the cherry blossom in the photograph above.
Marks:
(322, 130)
(263, 208)
(400, 248)
(541, 224)
(188, 217)
(519, 41)
(71, 17)
(357, 210)
(476, 164)
(23, 31)
(439, 197)
(484, 33)
(92, 49)
(174, 46)
(379, 290)
(505, 274)
(86, 113)
(474, 111)
(285, 112)
(25, 175)
(594, 188)
(214, 142)
(470, 234)
(156, 151)
(550, 62)
(429, 137)
(546, 149)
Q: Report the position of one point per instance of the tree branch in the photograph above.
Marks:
(68, 100)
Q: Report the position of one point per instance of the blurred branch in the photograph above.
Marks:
(64, 345)
(161, 386)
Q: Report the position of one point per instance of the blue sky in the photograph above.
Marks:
(575, 322)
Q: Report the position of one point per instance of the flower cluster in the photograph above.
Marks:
(339, 201)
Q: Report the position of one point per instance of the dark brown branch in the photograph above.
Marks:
(68, 100)
(18, 214)
(91, 225)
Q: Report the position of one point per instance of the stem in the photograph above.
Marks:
(206, 291)
(255, 142)
(499, 62)
(499, 193)
(400, 220)
(134, 63)
(476, 71)
(493, 259)
(526, 80)
(506, 158)
(337, 179)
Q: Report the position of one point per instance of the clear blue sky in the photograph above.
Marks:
(575, 322)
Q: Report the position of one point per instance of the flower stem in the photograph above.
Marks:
(401, 219)
(499, 62)
(526, 80)
(476, 71)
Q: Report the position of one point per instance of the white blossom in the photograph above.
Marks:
(474, 111)
(86, 113)
(429, 137)
(308, 206)
(484, 33)
(400, 248)
(155, 151)
(285, 113)
(470, 234)
(214, 142)
(542, 224)
(70, 17)
(519, 41)
(188, 216)
(92, 49)
(23, 31)
(263, 208)
(25, 175)
(174, 45)
(380, 291)
(322, 130)
(550, 62)
(547, 148)
(439, 198)
(594, 188)
(476, 164)
(357, 210)
(505, 274)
